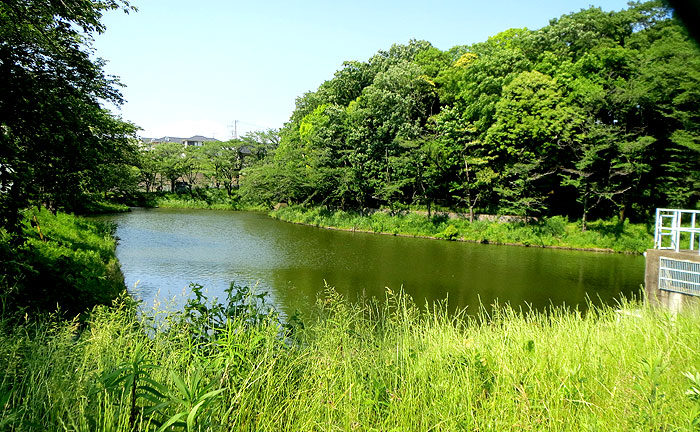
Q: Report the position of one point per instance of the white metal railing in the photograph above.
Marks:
(679, 276)
(677, 228)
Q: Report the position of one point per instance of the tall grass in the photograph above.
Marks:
(369, 365)
(549, 232)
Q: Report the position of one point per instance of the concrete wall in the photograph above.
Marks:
(672, 300)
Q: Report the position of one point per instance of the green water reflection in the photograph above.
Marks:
(164, 250)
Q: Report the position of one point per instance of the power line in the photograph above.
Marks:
(255, 125)
(233, 127)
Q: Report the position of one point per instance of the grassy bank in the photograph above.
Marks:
(101, 207)
(354, 366)
(550, 232)
(211, 199)
(67, 262)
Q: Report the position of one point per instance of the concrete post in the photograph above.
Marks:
(672, 300)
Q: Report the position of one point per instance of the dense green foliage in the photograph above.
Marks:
(67, 263)
(200, 198)
(60, 149)
(362, 366)
(595, 114)
(215, 164)
(57, 142)
(553, 231)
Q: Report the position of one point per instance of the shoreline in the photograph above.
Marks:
(459, 239)
(629, 241)
(602, 236)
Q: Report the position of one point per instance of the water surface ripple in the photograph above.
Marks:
(166, 249)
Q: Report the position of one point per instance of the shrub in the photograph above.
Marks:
(450, 233)
(67, 263)
(554, 226)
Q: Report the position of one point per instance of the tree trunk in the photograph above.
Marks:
(469, 192)
(621, 218)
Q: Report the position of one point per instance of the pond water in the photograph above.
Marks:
(163, 250)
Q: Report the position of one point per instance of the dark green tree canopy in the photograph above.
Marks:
(596, 113)
(55, 136)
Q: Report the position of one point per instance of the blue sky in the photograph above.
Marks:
(196, 69)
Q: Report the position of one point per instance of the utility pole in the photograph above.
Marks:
(234, 126)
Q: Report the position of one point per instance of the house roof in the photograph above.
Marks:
(180, 140)
(162, 139)
(199, 138)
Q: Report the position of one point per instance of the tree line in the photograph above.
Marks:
(213, 164)
(594, 115)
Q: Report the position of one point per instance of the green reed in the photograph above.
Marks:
(367, 365)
